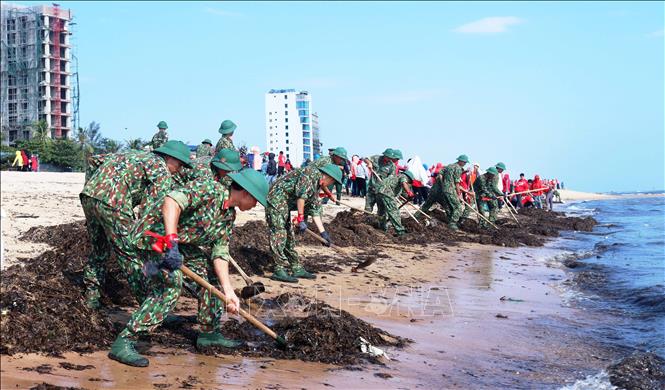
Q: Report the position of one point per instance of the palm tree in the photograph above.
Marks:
(82, 139)
(41, 131)
(94, 135)
(135, 143)
(110, 145)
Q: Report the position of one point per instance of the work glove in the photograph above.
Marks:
(300, 222)
(326, 236)
(172, 260)
(410, 194)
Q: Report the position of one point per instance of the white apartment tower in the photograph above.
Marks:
(291, 126)
(35, 70)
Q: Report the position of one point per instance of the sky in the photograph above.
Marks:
(573, 90)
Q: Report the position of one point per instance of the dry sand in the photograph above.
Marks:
(444, 298)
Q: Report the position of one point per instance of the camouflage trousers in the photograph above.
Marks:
(282, 238)
(108, 230)
(485, 206)
(389, 211)
(435, 195)
(163, 291)
(467, 210)
(452, 205)
(370, 199)
(210, 308)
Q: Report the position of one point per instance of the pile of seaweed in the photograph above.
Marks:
(42, 303)
(639, 371)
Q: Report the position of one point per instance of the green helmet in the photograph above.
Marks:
(162, 125)
(333, 171)
(500, 165)
(409, 174)
(207, 141)
(492, 170)
(227, 159)
(388, 153)
(227, 127)
(463, 158)
(177, 150)
(253, 182)
(340, 152)
(398, 154)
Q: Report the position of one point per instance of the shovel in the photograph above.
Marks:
(341, 251)
(253, 288)
(260, 325)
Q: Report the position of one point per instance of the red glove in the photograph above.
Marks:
(162, 242)
(410, 194)
(298, 219)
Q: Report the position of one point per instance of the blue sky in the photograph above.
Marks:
(571, 89)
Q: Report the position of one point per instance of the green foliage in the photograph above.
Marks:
(135, 143)
(40, 132)
(38, 146)
(67, 154)
(108, 145)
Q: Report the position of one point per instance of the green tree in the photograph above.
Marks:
(40, 132)
(109, 145)
(67, 154)
(81, 137)
(135, 143)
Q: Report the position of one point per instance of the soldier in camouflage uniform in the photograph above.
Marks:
(384, 188)
(205, 149)
(229, 158)
(381, 166)
(119, 184)
(487, 194)
(297, 190)
(199, 214)
(161, 137)
(226, 129)
(452, 191)
(337, 156)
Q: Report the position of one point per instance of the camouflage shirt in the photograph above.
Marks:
(224, 143)
(485, 187)
(159, 139)
(200, 169)
(383, 168)
(452, 175)
(203, 150)
(302, 183)
(125, 180)
(205, 219)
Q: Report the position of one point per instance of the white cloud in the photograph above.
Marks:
(490, 25)
(404, 97)
(656, 34)
(221, 12)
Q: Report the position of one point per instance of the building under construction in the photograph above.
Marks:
(37, 75)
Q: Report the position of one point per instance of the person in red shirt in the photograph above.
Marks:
(281, 164)
(35, 163)
(520, 186)
(287, 166)
(537, 195)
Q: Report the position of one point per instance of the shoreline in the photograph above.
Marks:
(456, 292)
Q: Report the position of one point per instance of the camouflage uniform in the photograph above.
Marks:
(300, 183)
(435, 194)
(200, 169)
(205, 221)
(203, 150)
(486, 192)
(323, 161)
(119, 184)
(383, 168)
(451, 178)
(224, 143)
(159, 139)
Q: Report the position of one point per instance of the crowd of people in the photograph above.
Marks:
(23, 162)
(164, 213)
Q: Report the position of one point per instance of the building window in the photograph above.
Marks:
(305, 134)
(286, 120)
(286, 105)
(286, 127)
(287, 134)
(306, 149)
(305, 127)
(270, 113)
(304, 120)
(285, 96)
(286, 113)
(287, 148)
(306, 156)
(303, 113)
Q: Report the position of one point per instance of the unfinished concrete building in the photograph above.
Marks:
(36, 71)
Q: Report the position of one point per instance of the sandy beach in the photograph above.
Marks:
(475, 313)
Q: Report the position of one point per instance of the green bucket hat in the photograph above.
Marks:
(492, 170)
(176, 149)
(409, 174)
(333, 171)
(463, 157)
(398, 154)
(227, 159)
(500, 165)
(227, 127)
(162, 125)
(253, 182)
(388, 153)
(340, 152)
(207, 141)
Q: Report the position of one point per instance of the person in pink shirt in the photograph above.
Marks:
(281, 164)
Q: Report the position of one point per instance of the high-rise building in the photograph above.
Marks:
(35, 70)
(291, 126)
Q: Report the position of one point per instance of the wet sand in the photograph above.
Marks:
(447, 299)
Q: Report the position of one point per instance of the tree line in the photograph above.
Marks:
(70, 153)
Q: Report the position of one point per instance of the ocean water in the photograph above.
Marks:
(618, 272)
